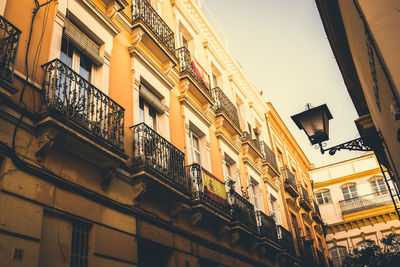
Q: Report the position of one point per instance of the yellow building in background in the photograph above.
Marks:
(130, 136)
(355, 203)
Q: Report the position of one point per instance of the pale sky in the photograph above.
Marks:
(283, 48)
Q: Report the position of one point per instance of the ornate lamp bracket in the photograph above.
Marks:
(353, 145)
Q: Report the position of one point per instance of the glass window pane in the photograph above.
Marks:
(85, 66)
(66, 52)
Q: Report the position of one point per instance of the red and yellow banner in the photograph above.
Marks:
(200, 71)
(213, 188)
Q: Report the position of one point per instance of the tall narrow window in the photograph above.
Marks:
(349, 192)
(147, 114)
(228, 171)
(195, 148)
(337, 255)
(80, 244)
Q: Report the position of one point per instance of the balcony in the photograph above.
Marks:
(290, 182)
(316, 214)
(74, 107)
(242, 211)
(9, 40)
(285, 239)
(155, 162)
(251, 146)
(266, 226)
(227, 110)
(269, 160)
(365, 202)
(321, 258)
(304, 198)
(158, 37)
(212, 206)
(191, 80)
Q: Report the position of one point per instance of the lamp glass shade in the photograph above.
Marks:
(315, 123)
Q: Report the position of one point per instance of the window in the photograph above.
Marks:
(378, 186)
(195, 148)
(147, 114)
(80, 244)
(349, 192)
(185, 42)
(275, 212)
(214, 80)
(323, 197)
(228, 171)
(337, 255)
(76, 60)
(254, 194)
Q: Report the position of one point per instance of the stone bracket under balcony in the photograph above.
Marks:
(291, 190)
(251, 148)
(316, 217)
(305, 204)
(149, 29)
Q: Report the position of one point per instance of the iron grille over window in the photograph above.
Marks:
(9, 39)
(242, 210)
(80, 244)
(70, 95)
(289, 177)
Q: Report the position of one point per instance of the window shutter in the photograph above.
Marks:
(82, 42)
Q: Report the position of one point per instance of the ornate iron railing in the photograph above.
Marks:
(185, 64)
(223, 104)
(285, 239)
(242, 210)
(266, 226)
(365, 202)
(269, 155)
(9, 40)
(142, 10)
(289, 177)
(304, 194)
(70, 95)
(198, 193)
(316, 208)
(246, 136)
(153, 151)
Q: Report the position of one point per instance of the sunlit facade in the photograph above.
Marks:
(135, 132)
(355, 203)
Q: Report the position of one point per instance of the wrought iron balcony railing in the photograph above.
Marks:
(242, 210)
(68, 94)
(246, 136)
(289, 177)
(142, 10)
(9, 40)
(304, 194)
(185, 64)
(153, 151)
(198, 188)
(285, 239)
(316, 207)
(365, 202)
(269, 155)
(223, 104)
(266, 226)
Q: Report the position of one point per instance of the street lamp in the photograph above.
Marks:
(315, 123)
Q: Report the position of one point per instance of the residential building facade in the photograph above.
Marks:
(355, 203)
(363, 35)
(128, 129)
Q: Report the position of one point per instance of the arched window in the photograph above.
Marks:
(323, 196)
(349, 191)
(378, 184)
(337, 255)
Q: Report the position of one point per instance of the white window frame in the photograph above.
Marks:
(194, 150)
(146, 114)
(352, 194)
(325, 196)
(379, 188)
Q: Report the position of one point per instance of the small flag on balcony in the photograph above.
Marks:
(214, 188)
(200, 71)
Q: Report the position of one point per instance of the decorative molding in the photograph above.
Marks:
(196, 218)
(234, 238)
(139, 189)
(99, 15)
(109, 174)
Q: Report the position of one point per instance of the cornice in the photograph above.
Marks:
(99, 15)
(346, 178)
